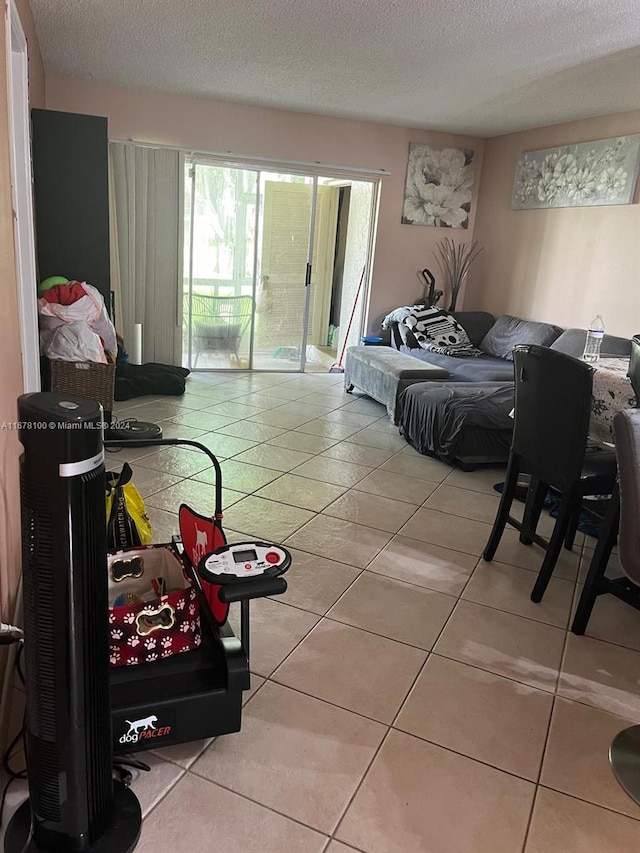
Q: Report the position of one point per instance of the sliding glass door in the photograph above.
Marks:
(247, 256)
(284, 255)
(219, 265)
(271, 260)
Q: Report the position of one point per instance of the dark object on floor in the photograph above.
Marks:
(587, 523)
(553, 395)
(462, 423)
(140, 380)
(131, 430)
(621, 522)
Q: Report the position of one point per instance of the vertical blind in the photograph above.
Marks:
(149, 221)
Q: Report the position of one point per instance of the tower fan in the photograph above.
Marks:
(74, 805)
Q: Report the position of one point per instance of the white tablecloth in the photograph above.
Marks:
(612, 392)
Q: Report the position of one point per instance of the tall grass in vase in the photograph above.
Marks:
(454, 262)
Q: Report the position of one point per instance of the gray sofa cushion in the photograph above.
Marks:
(572, 343)
(507, 332)
(484, 368)
(475, 323)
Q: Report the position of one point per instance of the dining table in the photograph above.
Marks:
(612, 392)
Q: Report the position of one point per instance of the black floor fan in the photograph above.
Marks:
(74, 805)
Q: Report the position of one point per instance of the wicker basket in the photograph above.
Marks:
(86, 379)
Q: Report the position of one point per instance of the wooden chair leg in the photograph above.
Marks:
(598, 565)
(572, 529)
(535, 501)
(555, 546)
(508, 491)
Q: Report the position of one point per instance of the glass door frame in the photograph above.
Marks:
(313, 171)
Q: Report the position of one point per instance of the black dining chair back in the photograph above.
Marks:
(552, 412)
(634, 367)
(626, 430)
(623, 522)
(553, 396)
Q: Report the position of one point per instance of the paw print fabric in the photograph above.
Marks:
(130, 640)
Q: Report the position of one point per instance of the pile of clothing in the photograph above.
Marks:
(74, 322)
(75, 326)
(139, 380)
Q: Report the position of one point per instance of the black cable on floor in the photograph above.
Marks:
(120, 765)
(8, 753)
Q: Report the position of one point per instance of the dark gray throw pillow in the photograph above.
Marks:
(507, 332)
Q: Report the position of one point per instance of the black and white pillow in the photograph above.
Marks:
(437, 331)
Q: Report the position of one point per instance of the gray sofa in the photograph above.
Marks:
(464, 419)
(497, 338)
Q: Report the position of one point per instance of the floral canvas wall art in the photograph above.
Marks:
(439, 186)
(589, 173)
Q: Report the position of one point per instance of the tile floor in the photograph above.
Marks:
(407, 696)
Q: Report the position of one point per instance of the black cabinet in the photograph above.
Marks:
(71, 195)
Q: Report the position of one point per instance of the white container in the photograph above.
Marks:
(595, 334)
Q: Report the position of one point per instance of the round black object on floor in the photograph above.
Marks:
(624, 757)
(121, 836)
(137, 431)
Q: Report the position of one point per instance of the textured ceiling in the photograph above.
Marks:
(483, 67)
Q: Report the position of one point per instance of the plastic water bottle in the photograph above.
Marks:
(595, 334)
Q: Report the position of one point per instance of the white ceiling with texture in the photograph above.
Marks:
(483, 67)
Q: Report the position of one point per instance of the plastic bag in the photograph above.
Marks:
(72, 342)
(90, 309)
(128, 524)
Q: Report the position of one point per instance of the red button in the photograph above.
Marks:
(272, 557)
(248, 566)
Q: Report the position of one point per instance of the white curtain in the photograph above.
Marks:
(147, 186)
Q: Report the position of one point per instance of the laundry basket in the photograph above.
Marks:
(86, 379)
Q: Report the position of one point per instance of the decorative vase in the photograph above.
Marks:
(454, 262)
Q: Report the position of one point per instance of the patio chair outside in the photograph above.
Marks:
(219, 324)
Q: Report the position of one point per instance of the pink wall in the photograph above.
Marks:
(208, 125)
(36, 68)
(564, 265)
(10, 358)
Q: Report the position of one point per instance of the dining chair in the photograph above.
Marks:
(634, 367)
(622, 522)
(552, 412)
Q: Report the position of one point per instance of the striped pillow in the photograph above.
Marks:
(437, 331)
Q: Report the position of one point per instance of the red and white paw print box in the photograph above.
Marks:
(153, 608)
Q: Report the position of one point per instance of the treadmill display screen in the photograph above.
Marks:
(244, 556)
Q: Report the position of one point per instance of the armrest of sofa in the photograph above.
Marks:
(572, 343)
